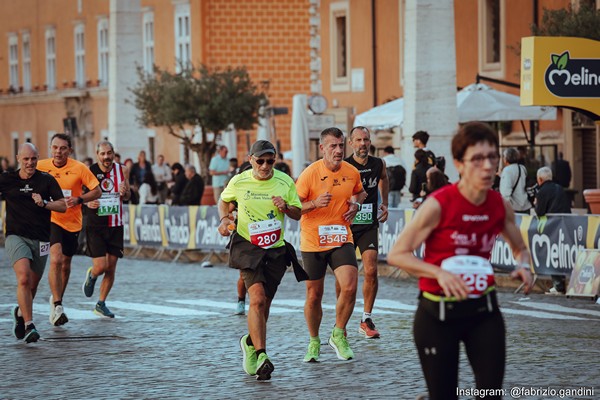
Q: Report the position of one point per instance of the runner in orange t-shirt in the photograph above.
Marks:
(71, 175)
(331, 193)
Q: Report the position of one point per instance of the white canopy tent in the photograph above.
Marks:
(476, 102)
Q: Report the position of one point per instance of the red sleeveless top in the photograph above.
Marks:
(464, 229)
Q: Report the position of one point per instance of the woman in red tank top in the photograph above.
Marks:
(457, 301)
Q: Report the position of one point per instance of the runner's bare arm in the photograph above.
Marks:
(57, 205)
(225, 209)
(384, 189)
(412, 236)
(124, 189)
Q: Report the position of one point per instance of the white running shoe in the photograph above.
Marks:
(57, 314)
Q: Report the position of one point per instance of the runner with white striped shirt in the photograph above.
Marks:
(105, 218)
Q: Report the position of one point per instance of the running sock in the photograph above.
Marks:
(242, 299)
(249, 341)
(258, 352)
(19, 313)
(365, 316)
(315, 339)
(58, 303)
(27, 323)
(339, 330)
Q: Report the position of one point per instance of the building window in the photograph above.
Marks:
(15, 146)
(50, 58)
(148, 41)
(103, 51)
(26, 62)
(80, 55)
(13, 61)
(340, 49)
(491, 37)
(49, 143)
(183, 50)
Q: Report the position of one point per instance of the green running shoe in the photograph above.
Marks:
(249, 356)
(339, 343)
(264, 367)
(313, 352)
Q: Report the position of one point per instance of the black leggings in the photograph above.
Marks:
(438, 342)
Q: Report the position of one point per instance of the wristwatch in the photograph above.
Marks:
(80, 200)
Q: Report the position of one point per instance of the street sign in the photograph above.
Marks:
(317, 123)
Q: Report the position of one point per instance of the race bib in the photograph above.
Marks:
(66, 192)
(44, 248)
(109, 204)
(265, 234)
(364, 216)
(475, 271)
(332, 235)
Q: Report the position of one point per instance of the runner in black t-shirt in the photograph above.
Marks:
(30, 196)
(366, 223)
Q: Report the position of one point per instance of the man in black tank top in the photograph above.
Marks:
(104, 224)
(365, 225)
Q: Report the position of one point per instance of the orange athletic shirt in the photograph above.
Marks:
(315, 180)
(71, 177)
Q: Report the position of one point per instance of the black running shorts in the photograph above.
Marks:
(68, 240)
(103, 240)
(315, 263)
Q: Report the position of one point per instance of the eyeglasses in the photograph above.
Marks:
(261, 161)
(478, 159)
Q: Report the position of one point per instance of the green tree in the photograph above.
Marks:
(583, 21)
(210, 99)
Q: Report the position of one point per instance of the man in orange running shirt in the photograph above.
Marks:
(331, 192)
(71, 175)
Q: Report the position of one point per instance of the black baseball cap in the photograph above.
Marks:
(262, 147)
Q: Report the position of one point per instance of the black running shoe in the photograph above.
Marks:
(19, 324)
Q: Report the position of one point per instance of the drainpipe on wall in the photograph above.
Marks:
(374, 49)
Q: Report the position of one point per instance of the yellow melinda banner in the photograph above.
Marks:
(561, 71)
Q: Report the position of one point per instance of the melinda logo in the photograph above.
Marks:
(578, 77)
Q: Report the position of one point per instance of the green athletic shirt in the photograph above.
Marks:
(256, 212)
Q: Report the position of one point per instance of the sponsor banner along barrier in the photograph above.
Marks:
(554, 241)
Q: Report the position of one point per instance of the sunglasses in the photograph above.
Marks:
(261, 161)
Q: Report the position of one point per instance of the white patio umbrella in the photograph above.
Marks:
(476, 102)
(299, 133)
(385, 116)
(480, 102)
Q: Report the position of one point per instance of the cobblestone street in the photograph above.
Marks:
(176, 336)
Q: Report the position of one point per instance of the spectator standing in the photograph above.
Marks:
(513, 181)
(418, 176)
(134, 197)
(561, 171)
(30, 196)
(139, 169)
(435, 180)
(420, 139)
(282, 166)
(219, 169)
(179, 182)
(162, 175)
(5, 166)
(149, 190)
(194, 188)
(396, 171)
(551, 199)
